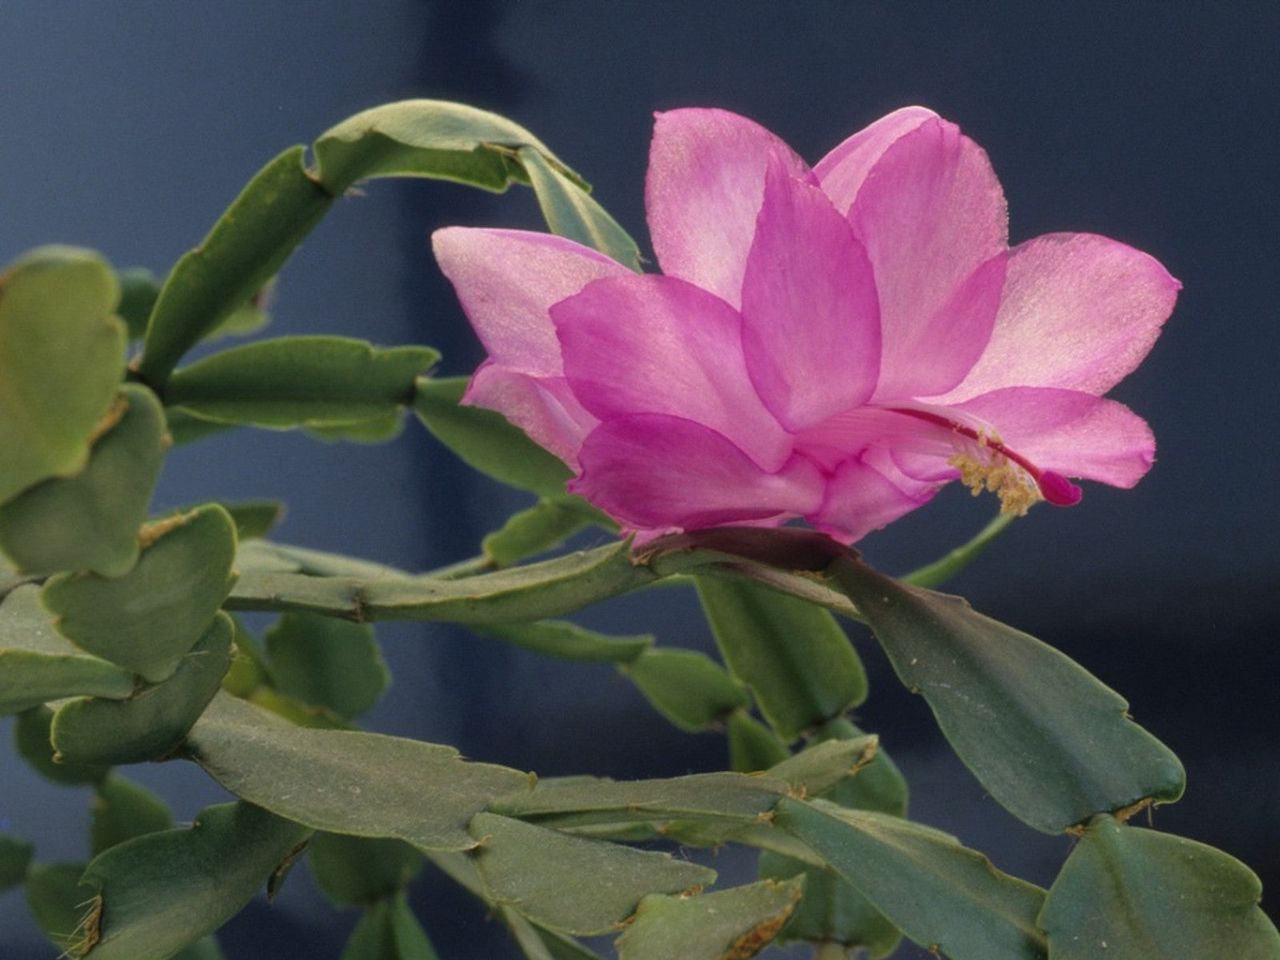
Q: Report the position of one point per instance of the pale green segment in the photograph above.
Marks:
(571, 212)
(304, 381)
(568, 641)
(688, 688)
(90, 521)
(148, 619)
(246, 248)
(361, 784)
(52, 397)
(38, 664)
(794, 657)
(388, 930)
(530, 868)
(752, 745)
(31, 735)
(151, 724)
(1127, 893)
(487, 441)
(361, 870)
(123, 810)
(545, 525)
(733, 924)
(1051, 743)
(940, 894)
(327, 663)
(425, 138)
(165, 891)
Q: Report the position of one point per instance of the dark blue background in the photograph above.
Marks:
(129, 126)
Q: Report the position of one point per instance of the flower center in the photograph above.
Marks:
(994, 467)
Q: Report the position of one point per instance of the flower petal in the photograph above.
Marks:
(653, 471)
(1069, 432)
(842, 171)
(654, 344)
(507, 279)
(932, 217)
(543, 407)
(811, 323)
(1079, 312)
(703, 191)
(862, 497)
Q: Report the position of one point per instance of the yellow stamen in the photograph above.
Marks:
(993, 472)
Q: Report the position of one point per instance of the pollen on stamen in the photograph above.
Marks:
(1017, 490)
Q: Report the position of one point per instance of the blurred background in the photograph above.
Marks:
(128, 127)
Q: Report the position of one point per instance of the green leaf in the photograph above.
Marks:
(123, 810)
(820, 768)
(185, 428)
(571, 212)
(1126, 893)
(327, 663)
(730, 924)
(309, 381)
(1046, 739)
(487, 441)
(150, 724)
(940, 894)
(361, 870)
(361, 784)
(752, 745)
(389, 931)
(688, 688)
(164, 891)
(530, 868)
(58, 902)
(139, 289)
(90, 521)
(832, 910)
(879, 784)
(148, 619)
(533, 592)
(31, 735)
(424, 138)
(559, 638)
(246, 248)
(545, 525)
(15, 859)
(38, 664)
(794, 657)
(52, 397)
(380, 429)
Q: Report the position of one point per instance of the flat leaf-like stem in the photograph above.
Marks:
(362, 784)
(1049, 741)
(1127, 893)
(940, 894)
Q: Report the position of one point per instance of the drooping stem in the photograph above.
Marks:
(947, 566)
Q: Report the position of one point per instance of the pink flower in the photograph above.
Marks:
(833, 343)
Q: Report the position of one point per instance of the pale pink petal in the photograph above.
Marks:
(1069, 433)
(853, 431)
(655, 344)
(543, 407)
(932, 217)
(1079, 312)
(506, 281)
(811, 325)
(842, 171)
(653, 471)
(703, 191)
(861, 497)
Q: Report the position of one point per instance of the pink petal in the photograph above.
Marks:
(655, 344)
(703, 191)
(507, 279)
(842, 171)
(861, 497)
(652, 471)
(543, 407)
(1079, 312)
(932, 217)
(1068, 432)
(811, 324)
